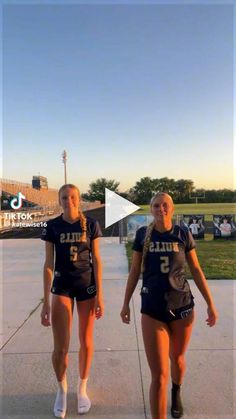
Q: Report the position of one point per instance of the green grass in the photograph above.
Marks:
(217, 258)
(200, 208)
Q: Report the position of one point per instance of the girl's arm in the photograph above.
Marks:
(47, 282)
(97, 265)
(201, 282)
(131, 285)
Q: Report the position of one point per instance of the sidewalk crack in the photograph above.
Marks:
(20, 327)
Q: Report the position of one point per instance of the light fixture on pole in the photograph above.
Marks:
(64, 159)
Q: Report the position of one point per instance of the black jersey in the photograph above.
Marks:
(72, 255)
(164, 274)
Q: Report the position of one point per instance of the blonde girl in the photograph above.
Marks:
(160, 253)
(75, 277)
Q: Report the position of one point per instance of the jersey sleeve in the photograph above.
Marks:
(190, 243)
(138, 242)
(95, 230)
(48, 234)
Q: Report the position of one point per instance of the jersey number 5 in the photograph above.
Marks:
(73, 253)
(165, 267)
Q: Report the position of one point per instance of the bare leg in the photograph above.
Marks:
(86, 314)
(180, 333)
(62, 311)
(62, 308)
(156, 342)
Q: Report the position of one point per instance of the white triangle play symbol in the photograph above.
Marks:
(116, 207)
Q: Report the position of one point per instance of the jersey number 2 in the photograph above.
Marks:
(73, 253)
(164, 264)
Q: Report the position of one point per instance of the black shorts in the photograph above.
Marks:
(82, 287)
(165, 315)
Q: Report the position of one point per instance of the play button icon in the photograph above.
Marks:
(117, 207)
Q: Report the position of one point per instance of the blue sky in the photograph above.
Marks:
(129, 90)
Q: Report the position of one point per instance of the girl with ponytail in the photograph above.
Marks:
(75, 278)
(167, 306)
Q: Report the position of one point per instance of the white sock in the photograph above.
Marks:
(84, 403)
(60, 402)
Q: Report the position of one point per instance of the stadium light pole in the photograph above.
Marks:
(64, 159)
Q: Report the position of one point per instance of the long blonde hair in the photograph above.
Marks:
(146, 244)
(149, 230)
(82, 218)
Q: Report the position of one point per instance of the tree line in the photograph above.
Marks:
(182, 191)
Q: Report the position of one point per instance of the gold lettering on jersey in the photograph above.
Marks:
(151, 247)
(70, 237)
(175, 247)
(163, 247)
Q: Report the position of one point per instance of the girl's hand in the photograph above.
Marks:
(45, 315)
(212, 316)
(99, 307)
(125, 314)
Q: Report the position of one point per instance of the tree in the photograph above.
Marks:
(220, 195)
(183, 188)
(144, 190)
(97, 189)
(165, 184)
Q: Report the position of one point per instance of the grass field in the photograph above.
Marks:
(200, 208)
(216, 257)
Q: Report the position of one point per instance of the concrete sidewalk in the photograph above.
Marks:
(120, 378)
